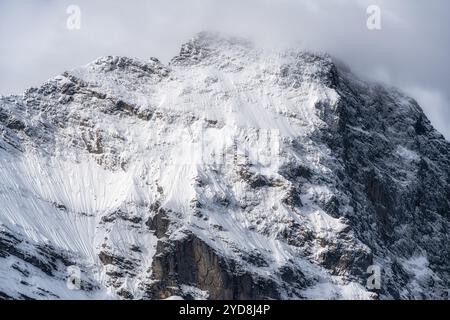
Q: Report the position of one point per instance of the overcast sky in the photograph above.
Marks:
(410, 51)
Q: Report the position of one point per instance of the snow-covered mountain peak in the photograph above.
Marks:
(111, 63)
(206, 47)
(232, 172)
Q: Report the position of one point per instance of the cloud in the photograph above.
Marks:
(410, 51)
(436, 106)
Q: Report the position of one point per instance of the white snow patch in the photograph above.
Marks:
(407, 154)
(418, 266)
(332, 291)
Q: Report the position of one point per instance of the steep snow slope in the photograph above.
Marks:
(230, 173)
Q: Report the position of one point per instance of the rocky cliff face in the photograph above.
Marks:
(230, 173)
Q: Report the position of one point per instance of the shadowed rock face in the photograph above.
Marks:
(99, 168)
(192, 262)
(396, 170)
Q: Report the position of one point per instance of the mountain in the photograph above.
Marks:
(230, 173)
